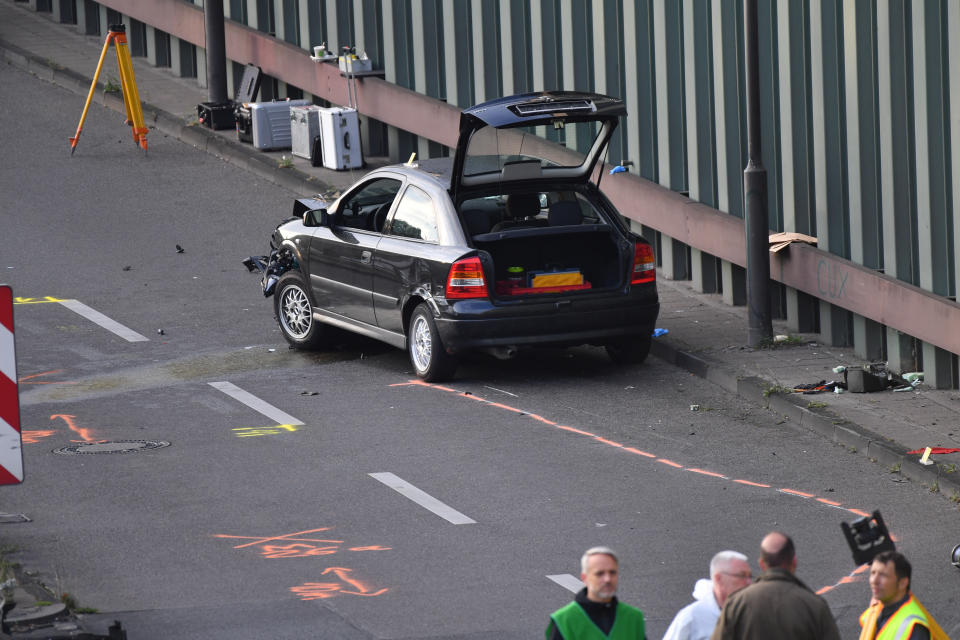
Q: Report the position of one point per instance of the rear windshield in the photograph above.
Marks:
(490, 149)
(527, 210)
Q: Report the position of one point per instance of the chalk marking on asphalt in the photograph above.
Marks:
(96, 317)
(255, 403)
(422, 498)
(794, 492)
(567, 581)
(486, 386)
(827, 503)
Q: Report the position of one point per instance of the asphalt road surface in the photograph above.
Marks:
(207, 482)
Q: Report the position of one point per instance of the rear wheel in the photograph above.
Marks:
(427, 354)
(294, 311)
(629, 349)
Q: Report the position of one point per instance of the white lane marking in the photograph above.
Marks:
(422, 498)
(255, 403)
(110, 325)
(567, 581)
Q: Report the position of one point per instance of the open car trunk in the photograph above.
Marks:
(567, 260)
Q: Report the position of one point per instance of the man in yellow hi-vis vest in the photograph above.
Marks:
(894, 612)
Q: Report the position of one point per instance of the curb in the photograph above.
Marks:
(204, 139)
(823, 422)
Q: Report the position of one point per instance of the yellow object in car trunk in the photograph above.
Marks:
(556, 278)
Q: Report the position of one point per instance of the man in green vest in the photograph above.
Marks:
(595, 613)
(894, 612)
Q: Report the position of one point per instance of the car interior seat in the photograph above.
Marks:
(477, 221)
(565, 212)
(521, 211)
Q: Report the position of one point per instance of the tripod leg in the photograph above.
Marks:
(93, 87)
(131, 97)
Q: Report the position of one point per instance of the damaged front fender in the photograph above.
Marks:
(271, 267)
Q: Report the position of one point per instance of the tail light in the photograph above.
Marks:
(466, 280)
(644, 264)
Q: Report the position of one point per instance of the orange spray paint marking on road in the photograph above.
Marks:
(753, 484)
(829, 502)
(639, 453)
(83, 433)
(571, 429)
(862, 514)
(609, 442)
(34, 436)
(322, 590)
(29, 379)
(670, 463)
(708, 473)
(297, 546)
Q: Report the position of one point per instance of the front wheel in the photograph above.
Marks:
(294, 310)
(427, 355)
(629, 349)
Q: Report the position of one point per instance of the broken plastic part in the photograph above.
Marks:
(271, 267)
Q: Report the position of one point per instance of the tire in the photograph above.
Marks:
(430, 360)
(294, 312)
(629, 350)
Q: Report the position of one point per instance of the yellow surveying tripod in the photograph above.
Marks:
(128, 85)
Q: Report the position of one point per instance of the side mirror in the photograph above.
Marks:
(316, 218)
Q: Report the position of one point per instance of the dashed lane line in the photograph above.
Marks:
(255, 403)
(422, 498)
(109, 324)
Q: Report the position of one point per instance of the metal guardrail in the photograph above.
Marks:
(873, 295)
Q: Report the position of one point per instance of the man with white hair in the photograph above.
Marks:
(596, 612)
(729, 572)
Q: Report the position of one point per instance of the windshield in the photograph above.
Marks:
(490, 149)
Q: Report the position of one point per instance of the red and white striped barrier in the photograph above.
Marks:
(11, 452)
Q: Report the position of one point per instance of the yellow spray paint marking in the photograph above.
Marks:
(42, 300)
(250, 432)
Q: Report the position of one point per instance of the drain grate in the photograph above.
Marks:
(113, 446)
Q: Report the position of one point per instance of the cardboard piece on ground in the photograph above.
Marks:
(779, 241)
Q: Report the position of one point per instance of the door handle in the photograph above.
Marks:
(365, 257)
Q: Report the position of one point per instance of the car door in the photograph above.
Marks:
(402, 259)
(341, 258)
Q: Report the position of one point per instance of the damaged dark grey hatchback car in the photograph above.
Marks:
(508, 244)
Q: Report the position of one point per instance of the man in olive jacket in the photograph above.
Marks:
(777, 604)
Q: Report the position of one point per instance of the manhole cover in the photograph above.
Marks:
(113, 446)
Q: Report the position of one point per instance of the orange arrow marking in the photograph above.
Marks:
(83, 433)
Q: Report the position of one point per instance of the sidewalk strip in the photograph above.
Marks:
(567, 581)
(422, 498)
(110, 325)
(255, 403)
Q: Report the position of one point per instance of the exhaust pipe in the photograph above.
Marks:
(503, 353)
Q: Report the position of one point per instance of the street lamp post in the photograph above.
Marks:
(759, 325)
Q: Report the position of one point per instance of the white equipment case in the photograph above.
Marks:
(304, 127)
(340, 138)
(270, 122)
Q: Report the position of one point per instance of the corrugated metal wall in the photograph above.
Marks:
(860, 110)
